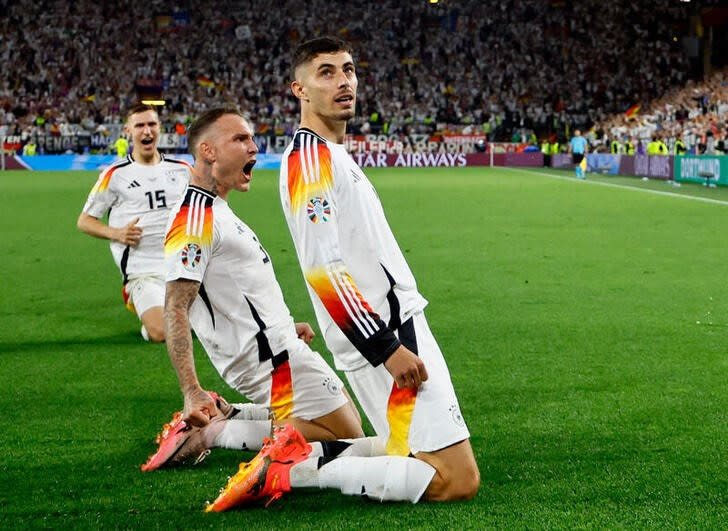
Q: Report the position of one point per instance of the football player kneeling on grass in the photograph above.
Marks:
(220, 281)
(371, 313)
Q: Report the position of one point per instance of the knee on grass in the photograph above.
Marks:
(155, 334)
(454, 484)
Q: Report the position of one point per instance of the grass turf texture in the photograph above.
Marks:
(584, 327)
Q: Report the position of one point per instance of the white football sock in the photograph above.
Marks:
(242, 434)
(362, 447)
(250, 411)
(383, 478)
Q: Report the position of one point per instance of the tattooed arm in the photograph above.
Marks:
(199, 405)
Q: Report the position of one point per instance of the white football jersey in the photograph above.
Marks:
(239, 315)
(128, 190)
(358, 279)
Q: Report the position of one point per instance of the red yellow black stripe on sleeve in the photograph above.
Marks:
(309, 170)
(351, 312)
(102, 183)
(192, 223)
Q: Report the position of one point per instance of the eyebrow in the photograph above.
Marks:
(330, 65)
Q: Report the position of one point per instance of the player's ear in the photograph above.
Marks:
(207, 152)
(297, 89)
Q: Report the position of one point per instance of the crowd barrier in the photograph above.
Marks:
(266, 161)
(272, 161)
(446, 160)
(703, 168)
(393, 144)
(711, 169)
(685, 168)
(653, 166)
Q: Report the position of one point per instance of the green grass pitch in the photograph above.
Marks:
(585, 329)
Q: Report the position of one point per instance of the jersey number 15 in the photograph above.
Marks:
(156, 199)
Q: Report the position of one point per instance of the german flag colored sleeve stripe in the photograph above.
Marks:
(351, 313)
(310, 172)
(102, 184)
(192, 224)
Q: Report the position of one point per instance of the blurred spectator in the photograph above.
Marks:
(696, 114)
(516, 65)
(121, 146)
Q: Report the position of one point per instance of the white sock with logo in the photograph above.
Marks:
(242, 434)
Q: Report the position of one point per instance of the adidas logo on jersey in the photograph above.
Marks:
(134, 184)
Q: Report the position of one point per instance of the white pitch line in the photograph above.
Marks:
(622, 186)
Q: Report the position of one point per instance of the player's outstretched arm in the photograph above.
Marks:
(129, 234)
(199, 405)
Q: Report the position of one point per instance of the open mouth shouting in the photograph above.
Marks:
(248, 169)
(147, 141)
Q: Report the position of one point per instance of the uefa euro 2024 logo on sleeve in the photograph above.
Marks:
(318, 209)
(191, 256)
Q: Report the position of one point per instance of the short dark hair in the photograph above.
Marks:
(308, 50)
(140, 107)
(204, 121)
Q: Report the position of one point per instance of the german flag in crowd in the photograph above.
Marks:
(634, 109)
(205, 82)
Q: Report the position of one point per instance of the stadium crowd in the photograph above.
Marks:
(460, 65)
(695, 115)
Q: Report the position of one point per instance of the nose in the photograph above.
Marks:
(253, 147)
(343, 80)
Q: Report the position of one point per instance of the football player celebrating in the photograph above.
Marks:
(220, 281)
(137, 192)
(370, 312)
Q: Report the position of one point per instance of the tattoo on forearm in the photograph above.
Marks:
(180, 295)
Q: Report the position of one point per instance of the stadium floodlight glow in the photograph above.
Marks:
(160, 103)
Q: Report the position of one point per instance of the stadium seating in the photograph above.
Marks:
(696, 113)
(529, 64)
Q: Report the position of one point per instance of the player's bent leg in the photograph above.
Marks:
(457, 476)
(341, 423)
(146, 295)
(153, 321)
(315, 401)
(351, 404)
(287, 461)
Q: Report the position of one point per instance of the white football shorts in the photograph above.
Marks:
(304, 386)
(425, 420)
(145, 292)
